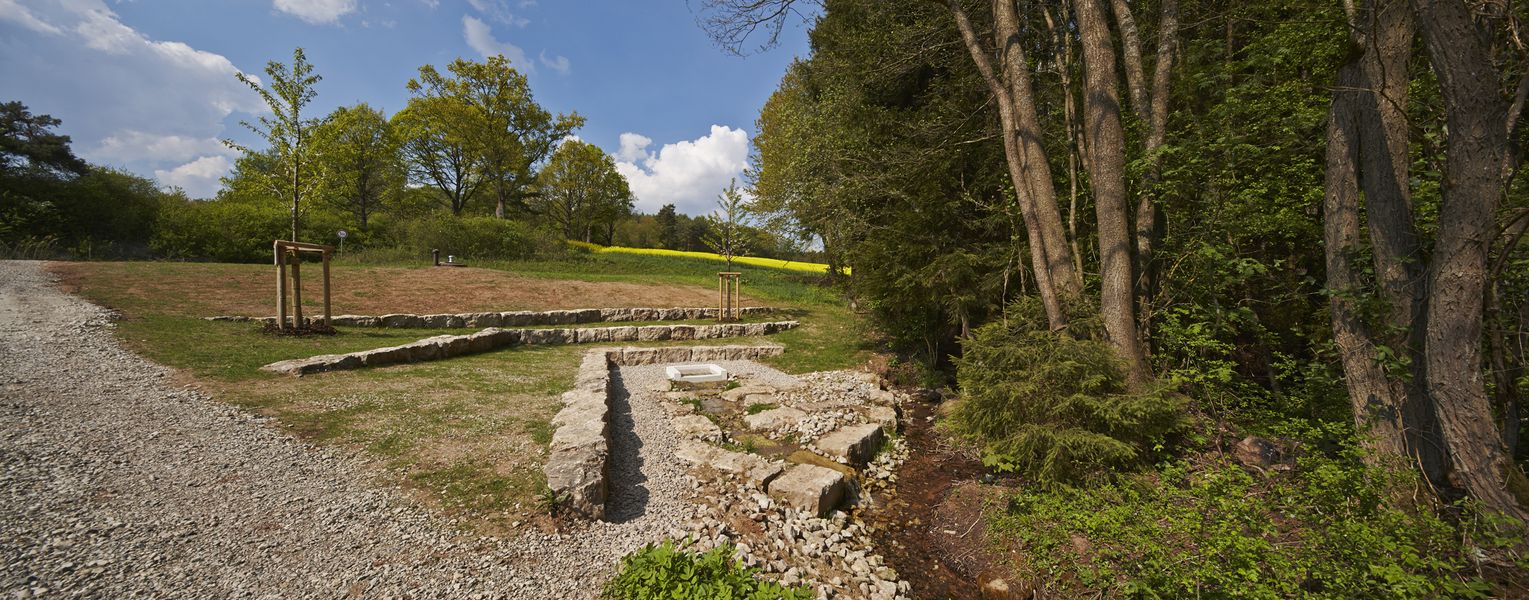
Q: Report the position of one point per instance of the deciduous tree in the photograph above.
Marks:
(286, 131)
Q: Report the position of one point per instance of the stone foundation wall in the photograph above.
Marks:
(521, 318)
(447, 346)
(577, 467)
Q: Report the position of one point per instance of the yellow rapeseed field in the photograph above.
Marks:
(772, 263)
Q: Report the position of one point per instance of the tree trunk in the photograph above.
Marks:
(1032, 161)
(1385, 180)
(1106, 142)
(1377, 397)
(1045, 281)
(1476, 147)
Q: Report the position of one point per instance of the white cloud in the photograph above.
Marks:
(559, 63)
(146, 105)
(431, 3)
(199, 178)
(317, 12)
(634, 147)
(688, 174)
(498, 10)
(481, 38)
(11, 11)
(130, 145)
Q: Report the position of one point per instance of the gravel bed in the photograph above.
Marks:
(116, 483)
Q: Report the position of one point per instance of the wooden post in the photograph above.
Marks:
(281, 287)
(728, 295)
(297, 290)
(326, 289)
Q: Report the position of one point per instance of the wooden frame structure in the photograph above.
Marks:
(291, 252)
(729, 295)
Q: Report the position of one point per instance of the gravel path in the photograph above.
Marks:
(113, 483)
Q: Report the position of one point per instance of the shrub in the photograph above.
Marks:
(667, 572)
(1054, 408)
(218, 230)
(473, 238)
(1329, 529)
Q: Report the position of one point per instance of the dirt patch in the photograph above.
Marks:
(203, 289)
(931, 526)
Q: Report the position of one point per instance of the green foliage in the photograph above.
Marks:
(1327, 529)
(27, 145)
(1054, 408)
(582, 194)
(487, 123)
(667, 572)
(727, 225)
(290, 89)
(471, 238)
(217, 230)
(358, 152)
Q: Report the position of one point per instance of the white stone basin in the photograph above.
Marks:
(707, 373)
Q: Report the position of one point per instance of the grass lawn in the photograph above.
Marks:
(466, 435)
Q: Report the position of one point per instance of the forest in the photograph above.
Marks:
(1135, 232)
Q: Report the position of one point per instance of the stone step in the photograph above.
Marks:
(811, 489)
(697, 427)
(756, 468)
(852, 444)
(773, 419)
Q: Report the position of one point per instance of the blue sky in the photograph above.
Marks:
(148, 85)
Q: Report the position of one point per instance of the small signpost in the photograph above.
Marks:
(291, 253)
(342, 235)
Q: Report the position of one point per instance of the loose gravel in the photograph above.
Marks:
(116, 483)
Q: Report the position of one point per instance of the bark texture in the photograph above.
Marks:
(1106, 144)
(1477, 152)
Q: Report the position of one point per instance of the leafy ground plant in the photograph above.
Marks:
(669, 572)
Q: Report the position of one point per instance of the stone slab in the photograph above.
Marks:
(755, 468)
(698, 427)
(775, 418)
(811, 489)
(852, 444)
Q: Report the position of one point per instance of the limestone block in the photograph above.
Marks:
(456, 345)
(885, 416)
(754, 467)
(583, 433)
(811, 489)
(383, 356)
(707, 332)
(402, 320)
(754, 328)
(732, 330)
(698, 427)
(578, 477)
(623, 334)
(675, 314)
(436, 321)
(737, 394)
(653, 333)
(586, 315)
(581, 413)
(852, 444)
(594, 373)
(592, 335)
(547, 336)
(672, 354)
(514, 318)
(775, 418)
(682, 332)
(638, 356)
